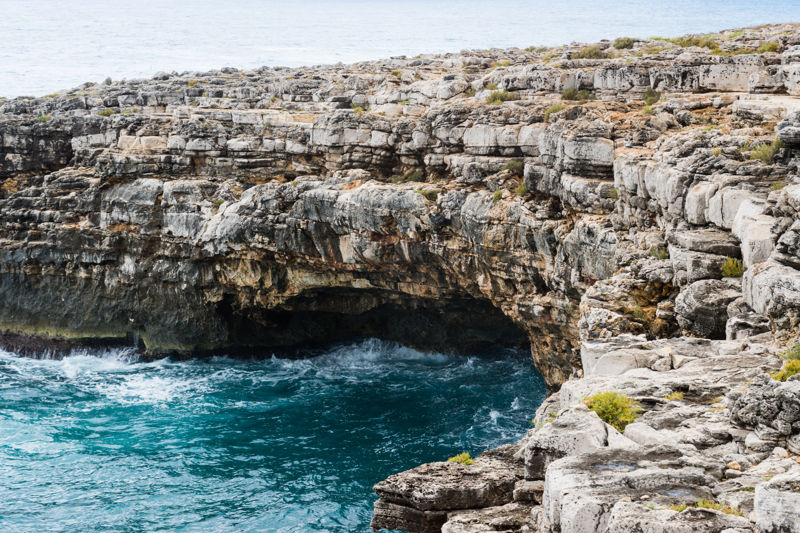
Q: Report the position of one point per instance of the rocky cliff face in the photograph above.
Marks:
(506, 196)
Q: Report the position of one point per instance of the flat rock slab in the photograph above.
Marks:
(416, 499)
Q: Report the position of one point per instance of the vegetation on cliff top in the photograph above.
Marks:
(614, 408)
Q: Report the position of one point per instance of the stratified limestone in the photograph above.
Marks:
(455, 202)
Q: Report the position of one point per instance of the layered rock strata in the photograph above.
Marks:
(521, 197)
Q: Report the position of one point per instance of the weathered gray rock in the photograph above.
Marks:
(777, 504)
(701, 308)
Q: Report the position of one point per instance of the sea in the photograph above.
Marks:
(104, 442)
(50, 45)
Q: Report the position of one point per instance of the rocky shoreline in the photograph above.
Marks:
(627, 209)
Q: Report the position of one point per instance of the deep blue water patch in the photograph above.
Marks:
(101, 442)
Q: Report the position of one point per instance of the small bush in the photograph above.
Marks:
(555, 108)
(675, 396)
(574, 94)
(716, 152)
(702, 42)
(521, 189)
(613, 193)
(358, 110)
(639, 314)
(790, 368)
(498, 97)
(613, 408)
(429, 194)
(651, 96)
(417, 175)
(43, 118)
(106, 112)
(766, 151)
(778, 185)
(793, 353)
(397, 74)
(462, 459)
(732, 268)
(497, 195)
(659, 252)
(707, 504)
(514, 166)
(491, 86)
(502, 63)
(469, 92)
(590, 52)
(768, 47)
(624, 43)
(192, 83)
(648, 110)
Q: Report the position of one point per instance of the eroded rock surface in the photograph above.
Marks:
(452, 202)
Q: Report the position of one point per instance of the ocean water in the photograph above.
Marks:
(103, 443)
(48, 45)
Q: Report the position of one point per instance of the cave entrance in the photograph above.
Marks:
(319, 318)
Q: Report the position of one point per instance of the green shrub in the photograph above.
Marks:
(462, 459)
(650, 49)
(498, 97)
(702, 42)
(358, 110)
(417, 175)
(491, 86)
(218, 202)
(106, 112)
(590, 52)
(43, 118)
(639, 314)
(716, 152)
(613, 408)
(574, 94)
(497, 195)
(555, 108)
(732, 268)
(674, 396)
(429, 194)
(790, 368)
(469, 92)
(514, 166)
(502, 63)
(397, 74)
(624, 43)
(707, 504)
(651, 96)
(778, 185)
(192, 83)
(521, 189)
(766, 151)
(768, 47)
(659, 252)
(793, 353)
(613, 193)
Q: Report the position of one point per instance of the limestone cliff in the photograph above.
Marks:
(581, 200)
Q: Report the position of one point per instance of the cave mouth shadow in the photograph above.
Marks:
(316, 320)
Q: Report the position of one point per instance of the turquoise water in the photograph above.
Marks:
(50, 45)
(102, 442)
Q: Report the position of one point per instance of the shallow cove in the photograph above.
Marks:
(102, 442)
